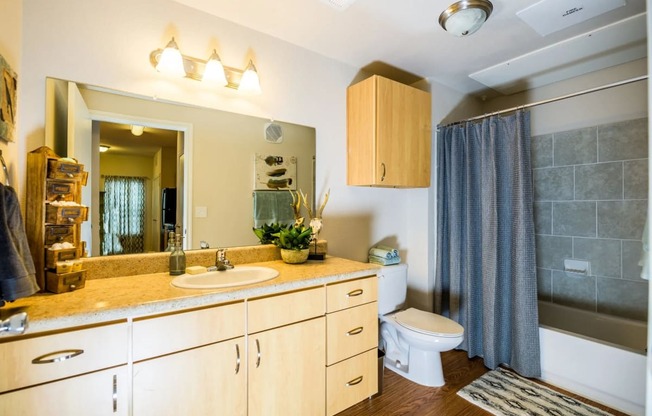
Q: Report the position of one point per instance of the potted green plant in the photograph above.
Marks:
(294, 243)
(266, 233)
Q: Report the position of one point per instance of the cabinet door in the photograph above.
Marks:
(96, 394)
(287, 370)
(403, 135)
(208, 380)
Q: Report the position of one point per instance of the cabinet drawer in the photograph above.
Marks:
(351, 331)
(65, 215)
(65, 282)
(351, 293)
(56, 190)
(351, 381)
(59, 234)
(45, 358)
(161, 335)
(66, 170)
(288, 308)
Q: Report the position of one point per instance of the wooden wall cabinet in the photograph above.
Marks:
(51, 180)
(388, 134)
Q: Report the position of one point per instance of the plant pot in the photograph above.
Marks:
(294, 256)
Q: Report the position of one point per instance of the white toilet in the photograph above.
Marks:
(412, 339)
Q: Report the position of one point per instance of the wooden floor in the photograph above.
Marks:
(403, 397)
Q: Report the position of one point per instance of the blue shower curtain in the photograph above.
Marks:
(486, 269)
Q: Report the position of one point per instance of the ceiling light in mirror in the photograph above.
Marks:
(104, 148)
(137, 130)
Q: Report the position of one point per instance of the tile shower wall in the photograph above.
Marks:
(590, 190)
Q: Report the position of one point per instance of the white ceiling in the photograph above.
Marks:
(406, 34)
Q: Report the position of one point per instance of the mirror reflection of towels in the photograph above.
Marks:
(272, 207)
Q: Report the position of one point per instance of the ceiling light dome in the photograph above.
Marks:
(465, 17)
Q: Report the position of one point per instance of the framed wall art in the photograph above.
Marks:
(8, 88)
(275, 172)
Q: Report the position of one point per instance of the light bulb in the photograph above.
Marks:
(171, 61)
(250, 83)
(214, 70)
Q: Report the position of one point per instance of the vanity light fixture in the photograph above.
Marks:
(104, 148)
(465, 17)
(211, 71)
(137, 130)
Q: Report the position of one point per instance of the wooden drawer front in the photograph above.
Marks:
(65, 215)
(65, 282)
(351, 331)
(53, 256)
(161, 335)
(351, 381)
(65, 170)
(88, 350)
(351, 293)
(279, 310)
(60, 190)
(59, 234)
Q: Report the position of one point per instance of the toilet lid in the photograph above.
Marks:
(428, 323)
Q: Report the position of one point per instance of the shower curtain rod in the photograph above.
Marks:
(550, 100)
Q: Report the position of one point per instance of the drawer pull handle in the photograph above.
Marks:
(257, 353)
(355, 381)
(115, 393)
(57, 356)
(237, 358)
(355, 331)
(356, 292)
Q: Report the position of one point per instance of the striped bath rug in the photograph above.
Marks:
(504, 393)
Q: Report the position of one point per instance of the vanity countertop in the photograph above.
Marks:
(119, 298)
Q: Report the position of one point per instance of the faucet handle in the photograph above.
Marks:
(221, 254)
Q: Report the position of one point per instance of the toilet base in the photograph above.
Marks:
(424, 368)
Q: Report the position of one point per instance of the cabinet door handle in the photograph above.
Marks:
(257, 353)
(115, 393)
(237, 358)
(355, 381)
(382, 177)
(355, 331)
(353, 293)
(57, 356)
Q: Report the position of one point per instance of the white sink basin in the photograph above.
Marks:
(238, 276)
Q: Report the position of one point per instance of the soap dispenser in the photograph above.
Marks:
(177, 258)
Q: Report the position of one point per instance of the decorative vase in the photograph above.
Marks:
(294, 256)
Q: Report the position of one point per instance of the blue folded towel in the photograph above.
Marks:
(384, 261)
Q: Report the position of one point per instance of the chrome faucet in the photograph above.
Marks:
(221, 262)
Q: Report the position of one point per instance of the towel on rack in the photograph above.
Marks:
(272, 207)
(17, 273)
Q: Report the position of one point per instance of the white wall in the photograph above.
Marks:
(108, 44)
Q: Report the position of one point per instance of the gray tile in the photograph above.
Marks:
(574, 219)
(621, 219)
(623, 298)
(622, 141)
(543, 217)
(553, 184)
(544, 284)
(599, 181)
(575, 291)
(604, 255)
(551, 251)
(576, 147)
(632, 251)
(636, 179)
(542, 151)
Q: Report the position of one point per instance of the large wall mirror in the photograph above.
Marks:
(191, 166)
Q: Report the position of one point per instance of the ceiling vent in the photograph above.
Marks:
(548, 16)
(339, 4)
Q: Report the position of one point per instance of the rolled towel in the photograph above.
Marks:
(383, 261)
(378, 252)
(388, 248)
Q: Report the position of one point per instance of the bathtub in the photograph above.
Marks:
(597, 356)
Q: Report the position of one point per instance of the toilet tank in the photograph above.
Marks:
(392, 288)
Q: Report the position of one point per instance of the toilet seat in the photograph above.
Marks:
(428, 323)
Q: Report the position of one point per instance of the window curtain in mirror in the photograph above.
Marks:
(486, 270)
(123, 215)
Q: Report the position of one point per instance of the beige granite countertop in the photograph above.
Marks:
(118, 298)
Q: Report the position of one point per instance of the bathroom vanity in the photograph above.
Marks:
(303, 343)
